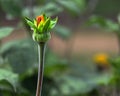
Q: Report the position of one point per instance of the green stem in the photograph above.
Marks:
(41, 52)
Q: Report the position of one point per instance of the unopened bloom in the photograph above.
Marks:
(41, 27)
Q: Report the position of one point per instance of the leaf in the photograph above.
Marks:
(51, 70)
(96, 20)
(103, 23)
(70, 86)
(103, 79)
(50, 9)
(21, 55)
(114, 27)
(5, 31)
(10, 77)
(75, 6)
(62, 31)
(54, 64)
(115, 63)
(12, 7)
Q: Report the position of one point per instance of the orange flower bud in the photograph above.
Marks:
(39, 19)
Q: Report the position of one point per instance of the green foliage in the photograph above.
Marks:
(70, 86)
(106, 78)
(11, 7)
(57, 78)
(61, 77)
(107, 7)
(49, 9)
(22, 49)
(25, 66)
(5, 31)
(55, 7)
(62, 31)
(115, 63)
(104, 23)
(54, 65)
(75, 7)
(10, 77)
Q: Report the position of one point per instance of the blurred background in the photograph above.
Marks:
(82, 57)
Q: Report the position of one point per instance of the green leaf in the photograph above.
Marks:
(96, 20)
(12, 7)
(102, 79)
(5, 31)
(10, 77)
(75, 6)
(49, 9)
(70, 86)
(103, 23)
(115, 63)
(70, 5)
(62, 31)
(112, 26)
(54, 64)
(50, 70)
(21, 55)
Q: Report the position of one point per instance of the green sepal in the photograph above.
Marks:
(40, 27)
(45, 17)
(46, 25)
(41, 37)
(30, 23)
(27, 19)
(35, 23)
(53, 23)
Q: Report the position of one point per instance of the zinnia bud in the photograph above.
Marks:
(41, 27)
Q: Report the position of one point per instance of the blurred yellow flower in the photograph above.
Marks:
(101, 59)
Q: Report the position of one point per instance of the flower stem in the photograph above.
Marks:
(41, 52)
